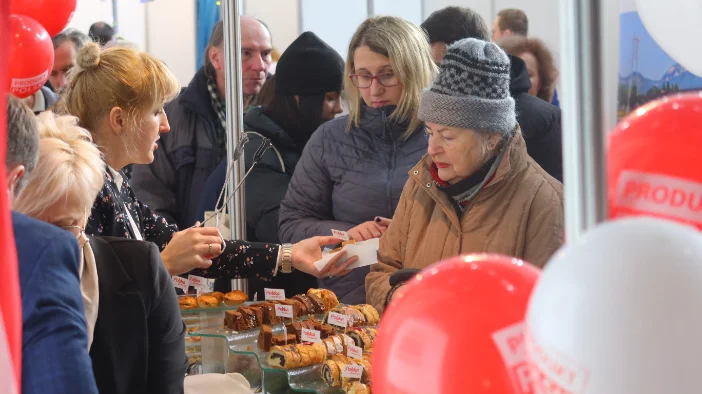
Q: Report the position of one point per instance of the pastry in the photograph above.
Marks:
(319, 307)
(216, 294)
(366, 376)
(300, 306)
(234, 320)
(357, 388)
(363, 337)
(283, 339)
(356, 317)
(370, 313)
(327, 331)
(187, 302)
(308, 305)
(343, 243)
(295, 328)
(252, 320)
(294, 356)
(258, 311)
(204, 301)
(328, 296)
(268, 312)
(236, 297)
(331, 373)
(265, 338)
(316, 324)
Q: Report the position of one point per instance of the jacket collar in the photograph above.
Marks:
(196, 97)
(377, 122)
(514, 161)
(256, 120)
(111, 274)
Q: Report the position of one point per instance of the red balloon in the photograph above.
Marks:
(54, 15)
(31, 56)
(457, 327)
(654, 163)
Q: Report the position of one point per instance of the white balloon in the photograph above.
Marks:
(676, 25)
(620, 312)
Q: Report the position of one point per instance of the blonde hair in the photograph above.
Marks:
(70, 165)
(407, 47)
(116, 77)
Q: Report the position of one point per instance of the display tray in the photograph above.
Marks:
(301, 380)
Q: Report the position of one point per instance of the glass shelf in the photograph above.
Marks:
(245, 344)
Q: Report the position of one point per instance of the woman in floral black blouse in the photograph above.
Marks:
(118, 95)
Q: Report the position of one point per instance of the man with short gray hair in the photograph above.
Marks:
(22, 145)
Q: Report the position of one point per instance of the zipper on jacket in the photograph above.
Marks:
(391, 165)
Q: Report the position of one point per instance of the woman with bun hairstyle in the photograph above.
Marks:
(135, 330)
(118, 95)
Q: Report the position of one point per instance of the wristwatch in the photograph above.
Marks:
(286, 260)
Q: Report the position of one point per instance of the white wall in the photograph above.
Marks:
(131, 15)
(281, 17)
(89, 12)
(171, 35)
(334, 21)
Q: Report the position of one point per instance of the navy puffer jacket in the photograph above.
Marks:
(345, 178)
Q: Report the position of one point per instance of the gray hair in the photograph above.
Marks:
(78, 38)
(22, 139)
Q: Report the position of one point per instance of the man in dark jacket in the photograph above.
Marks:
(540, 121)
(173, 183)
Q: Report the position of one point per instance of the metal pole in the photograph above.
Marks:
(235, 111)
(115, 17)
(584, 127)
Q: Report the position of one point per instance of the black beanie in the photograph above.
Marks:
(308, 67)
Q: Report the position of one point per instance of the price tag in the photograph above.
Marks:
(342, 235)
(338, 319)
(284, 311)
(313, 336)
(274, 294)
(354, 352)
(352, 371)
(201, 284)
(180, 283)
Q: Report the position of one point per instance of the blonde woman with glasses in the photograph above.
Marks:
(353, 168)
(135, 332)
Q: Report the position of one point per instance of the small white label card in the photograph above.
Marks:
(202, 284)
(354, 352)
(313, 336)
(284, 311)
(342, 235)
(338, 319)
(274, 294)
(180, 283)
(352, 371)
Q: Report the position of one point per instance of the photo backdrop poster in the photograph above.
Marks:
(646, 71)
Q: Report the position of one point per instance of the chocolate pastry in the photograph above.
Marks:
(265, 338)
(304, 307)
(308, 305)
(327, 331)
(301, 308)
(258, 311)
(234, 320)
(268, 312)
(370, 313)
(283, 339)
(250, 317)
(328, 296)
(318, 303)
(331, 373)
(364, 337)
(316, 324)
(356, 317)
(295, 328)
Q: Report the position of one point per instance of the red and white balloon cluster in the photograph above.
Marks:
(31, 25)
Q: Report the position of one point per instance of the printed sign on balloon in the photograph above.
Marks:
(510, 343)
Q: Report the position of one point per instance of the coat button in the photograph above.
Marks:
(416, 172)
(428, 184)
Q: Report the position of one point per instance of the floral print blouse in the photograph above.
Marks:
(240, 259)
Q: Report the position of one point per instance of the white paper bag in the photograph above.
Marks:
(367, 252)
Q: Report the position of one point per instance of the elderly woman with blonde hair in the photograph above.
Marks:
(136, 334)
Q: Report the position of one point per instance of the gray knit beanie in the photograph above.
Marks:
(472, 89)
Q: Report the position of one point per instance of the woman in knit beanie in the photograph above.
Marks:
(477, 189)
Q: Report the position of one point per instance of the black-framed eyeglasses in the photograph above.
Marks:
(364, 81)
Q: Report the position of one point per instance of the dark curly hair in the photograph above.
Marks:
(548, 73)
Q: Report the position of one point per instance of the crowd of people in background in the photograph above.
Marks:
(451, 145)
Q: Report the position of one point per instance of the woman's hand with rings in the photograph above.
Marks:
(192, 248)
(305, 253)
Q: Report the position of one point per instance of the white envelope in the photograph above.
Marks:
(367, 252)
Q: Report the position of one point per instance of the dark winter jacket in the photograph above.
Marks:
(265, 188)
(539, 120)
(345, 178)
